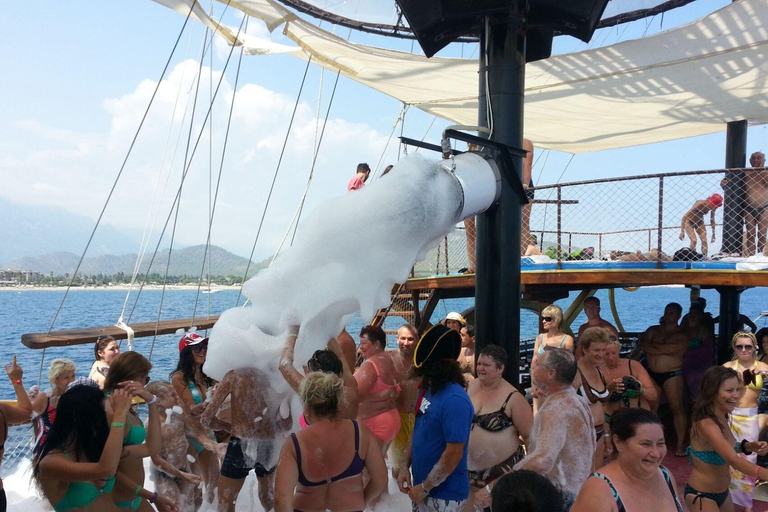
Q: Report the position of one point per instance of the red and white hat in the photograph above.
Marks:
(190, 339)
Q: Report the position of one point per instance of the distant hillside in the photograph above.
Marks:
(36, 230)
(187, 261)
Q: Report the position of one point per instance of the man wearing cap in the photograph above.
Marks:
(692, 223)
(563, 432)
(438, 446)
(455, 321)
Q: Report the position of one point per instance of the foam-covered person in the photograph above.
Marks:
(13, 415)
(502, 420)
(257, 429)
(321, 467)
(692, 223)
(437, 452)
(455, 321)
(192, 384)
(76, 465)
(60, 374)
(105, 350)
(130, 371)
(592, 311)
(402, 359)
(377, 387)
(332, 360)
(171, 470)
(467, 355)
(665, 346)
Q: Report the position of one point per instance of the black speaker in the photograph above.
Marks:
(436, 23)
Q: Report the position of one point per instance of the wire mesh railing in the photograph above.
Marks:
(660, 217)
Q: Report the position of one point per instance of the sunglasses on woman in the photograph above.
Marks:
(199, 348)
(546, 319)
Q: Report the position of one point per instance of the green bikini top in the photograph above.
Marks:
(136, 434)
(82, 494)
(708, 456)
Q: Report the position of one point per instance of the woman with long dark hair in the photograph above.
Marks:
(714, 450)
(77, 462)
(130, 371)
(192, 385)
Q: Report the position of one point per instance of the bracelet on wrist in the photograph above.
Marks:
(154, 497)
(424, 489)
(488, 488)
(152, 401)
(16, 381)
(120, 424)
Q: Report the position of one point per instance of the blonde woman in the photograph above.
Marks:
(60, 375)
(552, 336)
(744, 421)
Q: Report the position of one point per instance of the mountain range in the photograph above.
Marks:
(187, 261)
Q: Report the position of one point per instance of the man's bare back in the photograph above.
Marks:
(409, 391)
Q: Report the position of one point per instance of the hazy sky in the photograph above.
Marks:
(77, 78)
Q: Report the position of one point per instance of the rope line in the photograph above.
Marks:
(274, 179)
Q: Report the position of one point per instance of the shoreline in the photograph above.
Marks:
(116, 287)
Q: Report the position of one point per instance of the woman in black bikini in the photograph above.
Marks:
(10, 415)
(590, 382)
(502, 416)
(635, 481)
(323, 464)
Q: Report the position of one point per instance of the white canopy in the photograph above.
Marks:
(684, 82)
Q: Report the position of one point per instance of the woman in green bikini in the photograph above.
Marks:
(75, 468)
(130, 371)
(713, 449)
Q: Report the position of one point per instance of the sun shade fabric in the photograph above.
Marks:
(681, 83)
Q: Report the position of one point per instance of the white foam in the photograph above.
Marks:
(347, 256)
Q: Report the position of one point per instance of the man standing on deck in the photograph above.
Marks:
(437, 449)
(257, 431)
(407, 335)
(665, 345)
(592, 310)
(359, 179)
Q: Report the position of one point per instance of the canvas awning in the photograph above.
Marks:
(684, 82)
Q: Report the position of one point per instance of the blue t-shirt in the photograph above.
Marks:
(445, 417)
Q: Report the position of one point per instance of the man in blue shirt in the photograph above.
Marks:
(438, 446)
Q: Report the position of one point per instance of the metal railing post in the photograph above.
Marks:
(661, 220)
(600, 245)
(559, 226)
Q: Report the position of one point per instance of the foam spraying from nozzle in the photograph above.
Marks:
(347, 256)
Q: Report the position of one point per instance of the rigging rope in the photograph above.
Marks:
(274, 179)
(218, 182)
(400, 117)
(114, 185)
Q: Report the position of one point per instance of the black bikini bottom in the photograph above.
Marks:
(717, 497)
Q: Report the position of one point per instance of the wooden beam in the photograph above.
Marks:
(607, 278)
(90, 334)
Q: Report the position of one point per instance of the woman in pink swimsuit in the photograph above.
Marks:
(376, 387)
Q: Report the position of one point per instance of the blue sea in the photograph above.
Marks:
(33, 310)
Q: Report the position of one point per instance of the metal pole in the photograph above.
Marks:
(497, 284)
(733, 205)
(661, 220)
(730, 299)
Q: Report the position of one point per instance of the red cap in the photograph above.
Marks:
(715, 200)
(189, 339)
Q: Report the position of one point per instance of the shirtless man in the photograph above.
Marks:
(755, 206)
(257, 430)
(592, 310)
(692, 223)
(407, 336)
(665, 346)
(171, 470)
(467, 354)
